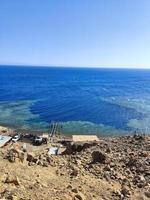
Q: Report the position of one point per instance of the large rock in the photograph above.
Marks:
(73, 148)
(15, 154)
(98, 157)
(31, 158)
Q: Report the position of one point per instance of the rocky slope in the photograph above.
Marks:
(112, 169)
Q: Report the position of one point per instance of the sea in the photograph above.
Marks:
(83, 100)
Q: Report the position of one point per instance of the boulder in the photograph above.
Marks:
(98, 157)
(14, 154)
(31, 158)
(73, 148)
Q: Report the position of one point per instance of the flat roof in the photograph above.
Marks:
(84, 138)
(4, 140)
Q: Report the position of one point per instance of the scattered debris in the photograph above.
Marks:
(53, 151)
(15, 154)
(113, 168)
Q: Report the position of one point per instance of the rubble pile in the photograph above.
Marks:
(16, 155)
(125, 160)
(85, 170)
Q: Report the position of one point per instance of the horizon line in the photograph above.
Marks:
(68, 66)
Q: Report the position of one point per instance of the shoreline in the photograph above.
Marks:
(16, 130)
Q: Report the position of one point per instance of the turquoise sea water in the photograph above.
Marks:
(101, 101)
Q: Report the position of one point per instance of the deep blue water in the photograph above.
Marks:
(101, 101)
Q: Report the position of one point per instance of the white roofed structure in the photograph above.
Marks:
(85, 138)
(4, 140)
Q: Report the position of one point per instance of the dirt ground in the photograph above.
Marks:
(112, 169)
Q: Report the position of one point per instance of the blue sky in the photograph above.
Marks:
(96, 33)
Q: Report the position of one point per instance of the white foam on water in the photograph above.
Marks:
(142, 125)
(141, 105)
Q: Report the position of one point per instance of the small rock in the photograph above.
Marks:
(125, 191)
(12, 180)
(108, 150)
(13, 197)
(74, 190)
(79, 196)
(107, 168)
(74, 171)
(147, 193)
(39, 162)
(69, 186)
(45, 164)
(143, 154)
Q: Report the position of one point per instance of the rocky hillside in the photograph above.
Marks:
(112, 169)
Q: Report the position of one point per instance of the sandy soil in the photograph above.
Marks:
(112, 169)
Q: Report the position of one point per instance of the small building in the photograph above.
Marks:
(4, 140)
(85, 138)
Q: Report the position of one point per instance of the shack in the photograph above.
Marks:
(85, 138)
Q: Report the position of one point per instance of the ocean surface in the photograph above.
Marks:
(87, 101)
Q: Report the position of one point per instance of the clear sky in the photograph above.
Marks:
(106, 33)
